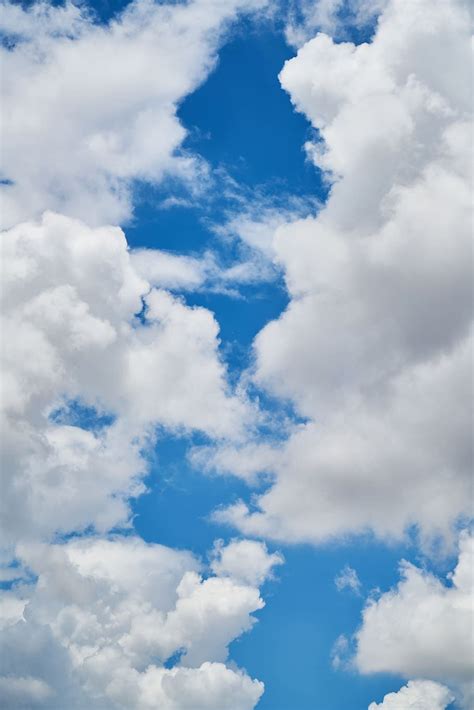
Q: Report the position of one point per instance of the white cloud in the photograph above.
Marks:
(374, 349)
(106, 614)
(69, 333)
(348, 579)
(204, 272)
(168, 270)
(333, 17)
(89, 108)
(423, 627)
(21, 691)
(356, 471)
(416, 695)
(245, 560)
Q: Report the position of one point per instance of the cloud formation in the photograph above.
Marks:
(81, 329)
(374, 349)
(423, 627)
(119, 623)
(416, 695)
(373, 352)
(116, 87)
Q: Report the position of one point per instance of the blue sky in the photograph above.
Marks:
(322, 422)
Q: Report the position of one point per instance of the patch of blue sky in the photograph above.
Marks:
(253, 163)
(14, 575)
(76, 413)
(304, 616)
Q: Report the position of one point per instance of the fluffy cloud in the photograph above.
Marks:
(72, 342)
(423, 627)
(374, 349)
(416, 695)
(417, 622)
(121, 623)
(168, 270)
(89, 108)
(245, 560)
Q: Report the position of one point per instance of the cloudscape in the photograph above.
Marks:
(236, 341)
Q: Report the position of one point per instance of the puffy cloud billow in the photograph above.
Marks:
(119, 623)
(81, 329)
(374, 349)
(416, 695)
(115, 88)
(423, 628)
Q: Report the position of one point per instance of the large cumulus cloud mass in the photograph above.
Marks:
(374, 349)
(119, 623)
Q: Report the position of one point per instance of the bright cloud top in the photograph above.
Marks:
(410, 629)
(118, 623)
(416, 695)
(116, 89)
(71, 335)
(374, 349)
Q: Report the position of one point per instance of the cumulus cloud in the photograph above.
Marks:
(244, 560)
(24, 691)
(121, 623)
(418, 620)
(416, 695)
(89, 108)
(374, 349)
(422, 627)
(71, 336)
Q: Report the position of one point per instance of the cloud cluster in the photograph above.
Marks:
(81, 329)
(373, 352)
(119, 623)
(88, 108)
(333, 17)
(423, 627)
(374, 349)
(416, 695)
(96, 358)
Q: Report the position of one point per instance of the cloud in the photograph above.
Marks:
(168, 270)
(422, 627)
(121, 623)
(348, 579)
(72, 339)
(417, 694)
(90, 108)
(245, 560)
(374, 348)
(205, 272)
(339, 652)
(333, 17)
(24, 691)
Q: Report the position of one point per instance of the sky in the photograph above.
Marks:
(236, 350)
